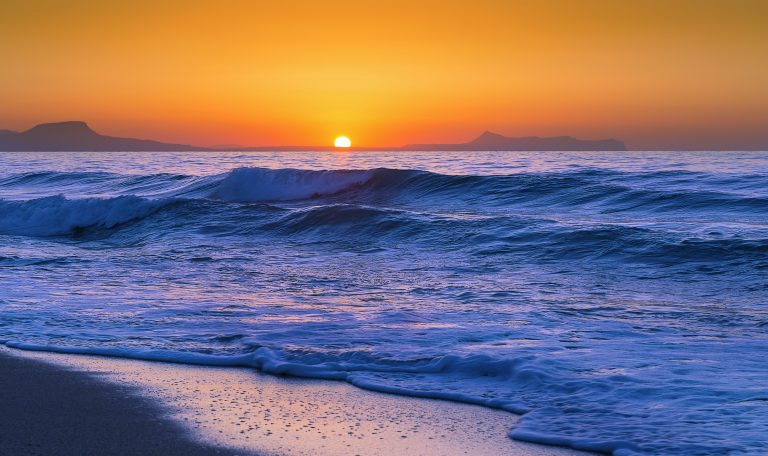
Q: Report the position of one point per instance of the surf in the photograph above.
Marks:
(507, 289)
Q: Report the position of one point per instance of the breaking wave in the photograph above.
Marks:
(409, 206)
(56, 215)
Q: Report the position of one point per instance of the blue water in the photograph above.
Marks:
(618, 300)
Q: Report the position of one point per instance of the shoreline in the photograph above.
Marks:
(223, 410)
(48, 409)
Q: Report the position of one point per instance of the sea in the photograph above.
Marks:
(617, 300)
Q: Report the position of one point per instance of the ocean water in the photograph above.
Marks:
(618, 299)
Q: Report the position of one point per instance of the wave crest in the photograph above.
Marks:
(56, 215)
(250, 185)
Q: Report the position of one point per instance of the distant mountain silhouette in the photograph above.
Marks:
(494, 141)
(76, 135)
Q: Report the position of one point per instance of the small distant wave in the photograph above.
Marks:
(44, 178)
(80, 185)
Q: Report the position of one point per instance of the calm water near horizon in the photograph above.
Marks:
(618, 299)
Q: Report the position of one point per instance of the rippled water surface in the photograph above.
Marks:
(619, 300)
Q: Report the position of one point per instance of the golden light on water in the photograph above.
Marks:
(342, 141)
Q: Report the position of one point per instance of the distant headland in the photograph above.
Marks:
(78, 136)
(494, 141)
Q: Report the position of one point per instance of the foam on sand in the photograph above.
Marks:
(242, 409)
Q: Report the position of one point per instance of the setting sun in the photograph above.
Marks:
(342, 141)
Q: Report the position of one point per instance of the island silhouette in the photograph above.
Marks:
(494, 141)
(78, 136)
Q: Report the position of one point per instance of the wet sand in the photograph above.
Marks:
(75, 404)
(46, 410)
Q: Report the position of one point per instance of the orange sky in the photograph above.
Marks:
(672, 73)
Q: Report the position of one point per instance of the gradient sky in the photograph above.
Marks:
(657, 74)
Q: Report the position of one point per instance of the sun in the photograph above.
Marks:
(342, 141)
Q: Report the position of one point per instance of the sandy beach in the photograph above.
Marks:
(48, 410)
(74, 404)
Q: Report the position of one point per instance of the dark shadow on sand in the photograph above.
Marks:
(47, 410)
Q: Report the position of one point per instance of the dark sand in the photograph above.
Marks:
(48, 410)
